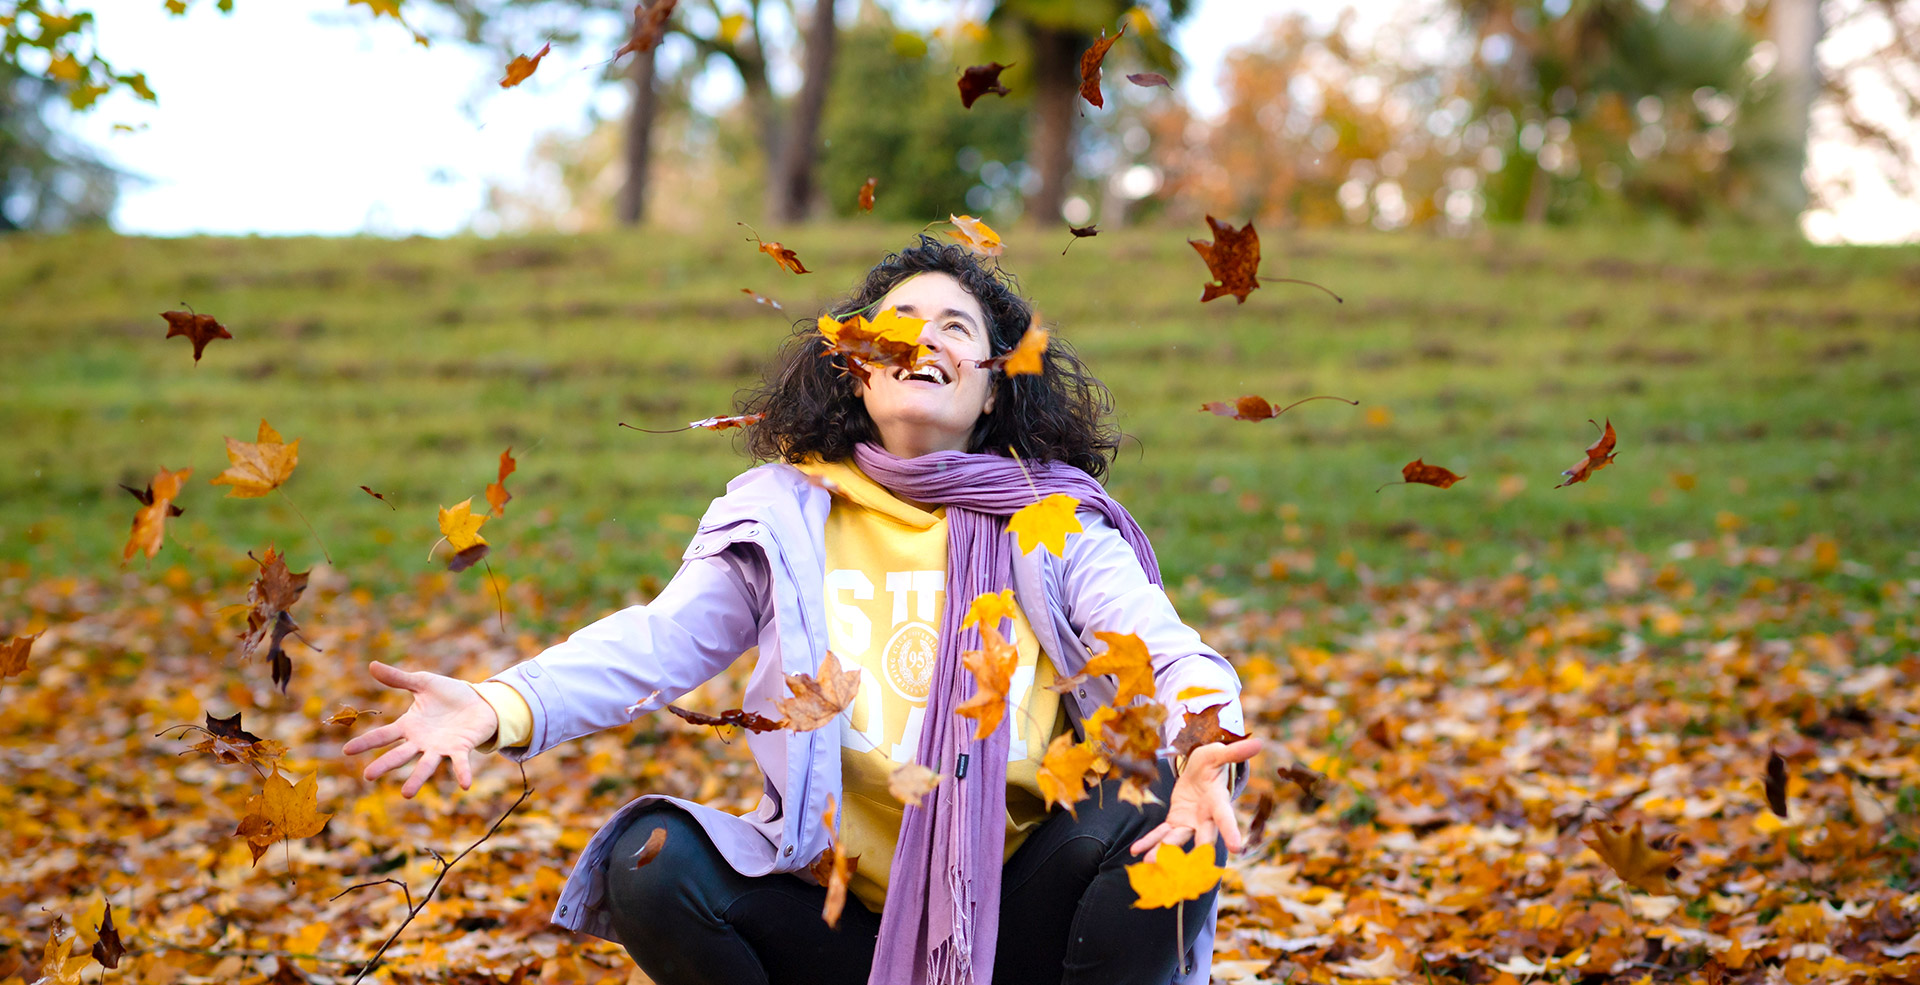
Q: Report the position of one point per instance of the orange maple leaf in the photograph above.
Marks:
(833, 868)
(521, 68)
(272, 594)
(1048, 522)
(1636, 862)
(992, 667)
(150, 520)
(1064, 771)
(1424, 474)
(786, 258)
(258, 467)
(1599, 456)
(1233, 258)
(1127, 659)
(13, 655)
(198, 329)
(866, 194)
(1026, 358)
(975, 235)
(817, 700)
(497, 494)
(649, 25)
(1090, 65)
(1173, 876)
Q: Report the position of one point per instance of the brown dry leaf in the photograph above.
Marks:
(1131, 736)
(1776, 783)
(273, 592)
(282, 810)
(13, 655)
(1599, 456)
(107, 948)
(1418, 471)
(198, 329)
(786, 258)
(1079, 233)
(260, 466)
(732, 717)
(1149, 79)
(911, 781)
(832, 869)
(369, 491)
(1065, 770)
(890, 340)
(1314, 785)
(1090, 65)
(992, 666)
(980, 80)
(1631, 858)
(866, 194)
(228, 743)
(1201, 728)
(1256, 408)
(651, 850)
(975, 235)
(1233, 259)
(150, 520)
(521, 67)
(649, 25)
(1262, 812)
(817, 701)
(347, 715)
(759, 298)
(497, 494)
(1127, 659)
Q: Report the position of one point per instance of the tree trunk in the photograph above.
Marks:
(1056, 89)
(632, 206)
(790, 191)
(1794, 28)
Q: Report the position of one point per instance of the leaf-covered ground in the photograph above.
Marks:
(1473, 731)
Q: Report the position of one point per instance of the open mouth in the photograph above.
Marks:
(925, 374)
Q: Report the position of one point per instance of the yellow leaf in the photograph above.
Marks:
(989, 608)
(461, 526)
(66, 69)
(13, 655)
(911, 781)
(1048, 522)
(282, 810)
(1063, 772)
(731, 26)
(258, 467)
(975, 235)
(1128, 661)
(892, 326)
(1173, 876)
(1629, 855)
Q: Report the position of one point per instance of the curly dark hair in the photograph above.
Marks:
(1060, 414)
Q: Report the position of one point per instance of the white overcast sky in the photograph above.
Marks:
(301, 116)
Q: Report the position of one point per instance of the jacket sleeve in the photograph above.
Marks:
(643, 657)
(1106, 590)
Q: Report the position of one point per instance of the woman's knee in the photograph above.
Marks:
(673, 886)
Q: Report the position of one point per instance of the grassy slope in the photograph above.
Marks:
(1780, 377)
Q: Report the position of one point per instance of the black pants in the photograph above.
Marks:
(1066, 908)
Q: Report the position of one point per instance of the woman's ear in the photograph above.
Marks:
(993, 391)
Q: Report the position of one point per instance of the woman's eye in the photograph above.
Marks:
(954, 326)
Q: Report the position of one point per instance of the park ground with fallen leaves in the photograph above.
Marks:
(1491, 677)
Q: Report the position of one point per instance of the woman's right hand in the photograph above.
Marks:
(448, 719)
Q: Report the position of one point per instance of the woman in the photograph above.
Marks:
(980, 882)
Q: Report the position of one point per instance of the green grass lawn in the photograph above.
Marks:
(1765, 393)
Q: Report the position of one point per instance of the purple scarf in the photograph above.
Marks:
(941, 919)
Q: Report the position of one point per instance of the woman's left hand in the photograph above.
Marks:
(1200, 803)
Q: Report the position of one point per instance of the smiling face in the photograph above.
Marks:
(935, 407)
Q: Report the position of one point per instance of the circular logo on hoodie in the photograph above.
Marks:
(908, 660)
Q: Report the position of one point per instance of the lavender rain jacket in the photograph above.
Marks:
(754, 575)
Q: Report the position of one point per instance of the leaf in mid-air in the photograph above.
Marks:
(980, 80)
(461, 526)
(1127, 659)
(734, 717)
(1599, 456)
(521, 68)
(282, 810)
(1233, 259)
(107, 948)
(1048, 522)
(651, 850)
(1629, 855)
(150, 520)
(818, 700)
(833, 868)
(866, 194)
(1064, 772)
(992, 666)
(988, 608)
(649, 25)
(1026, 358)
(199, 329)
(1090, 65)
(975, 235)
(272, 594)
(497, 494)
(1173, 876)
(1201, 728)
(13, 655)
(911, 781)
(1418, 471)
(258, 467)
(1149, 79)
(1256, 408)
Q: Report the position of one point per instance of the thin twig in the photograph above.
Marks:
(498, 597)
(413, 910)
(376, 882)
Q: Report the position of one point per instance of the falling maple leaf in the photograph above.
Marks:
(817, 701)
(258, 467)
(734, 717)
(1202, 727)
(1048, 522)
(980, 80)
(1173, 876)
(759, 298)
(1424, 474)
(866, 194)
(107, 948)
(651, 850)
(150, 520)
(707, 424)
(1262, 812)
(890, 339)
(1599, 456)
(228, 743)
(992, 666)
(497, 494)
(1064, 772)
(911, 781)
(347, 715)
(272, 594)
(1314, 785)
(649, 25)
(522, 67)
(975, 235)
(13, 655)
(1127, 659)
(198, 329)
(1256, 408)
(1149, 79)
(1776, 783)
(1079, 233)
(1090, 65)
(379, 497)
(1026, 358)
(1636, 862)
(56, 968)
(461, 528)
(1232, 258)
(786, 258)
(988, 609)
(833, 868)
(280, 811)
